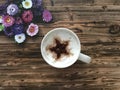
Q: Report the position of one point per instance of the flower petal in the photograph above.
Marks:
(12, 9)
(47, 16)
(27, 16)
(32, 30)
(8, 21)
(17, 29)
(27, 4)
(20, 38)
(8, 31)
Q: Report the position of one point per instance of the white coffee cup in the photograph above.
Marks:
(74, 48)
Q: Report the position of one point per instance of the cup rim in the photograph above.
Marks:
(53, 31)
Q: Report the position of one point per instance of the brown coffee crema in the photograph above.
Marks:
(59, 48)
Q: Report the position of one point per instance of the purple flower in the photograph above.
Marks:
(12, 9)
(17, 29)
(47, 17)
(18, 20)
(8, 31)
(8, 21)
(37, 9)
(3, 7)
(37, 3)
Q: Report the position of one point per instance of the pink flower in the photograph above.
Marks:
(27, 16)
(8, 21)
(32, 29)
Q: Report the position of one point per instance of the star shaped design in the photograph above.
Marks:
(59, 48)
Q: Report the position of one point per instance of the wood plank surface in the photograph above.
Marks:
(23, 68)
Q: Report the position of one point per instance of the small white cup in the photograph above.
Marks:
(74, 46)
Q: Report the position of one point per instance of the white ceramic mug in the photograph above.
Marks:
(74, 48)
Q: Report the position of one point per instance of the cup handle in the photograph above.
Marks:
(84, 58)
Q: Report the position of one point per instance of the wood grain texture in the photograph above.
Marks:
(23, 68)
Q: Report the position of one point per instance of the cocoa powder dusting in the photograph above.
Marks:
(59, 48)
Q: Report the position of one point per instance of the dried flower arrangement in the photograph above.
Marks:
(18, 18)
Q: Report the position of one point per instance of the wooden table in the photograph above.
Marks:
(96, 22)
